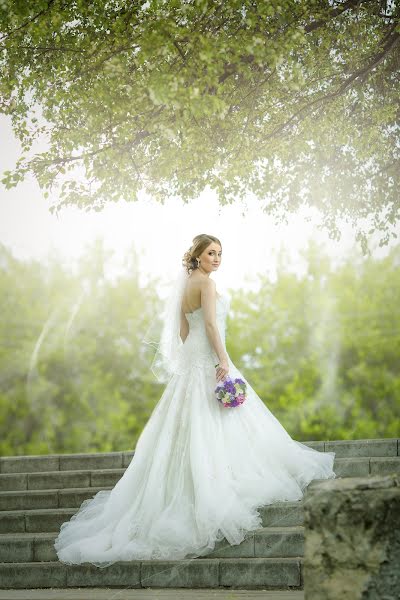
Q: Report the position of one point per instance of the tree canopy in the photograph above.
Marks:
(295, 102)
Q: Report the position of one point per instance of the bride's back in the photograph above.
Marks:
(191, 299)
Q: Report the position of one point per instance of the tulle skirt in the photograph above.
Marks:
(198, 475)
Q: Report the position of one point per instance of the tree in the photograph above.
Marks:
(294, 102)
(322, 350)
(74, 370)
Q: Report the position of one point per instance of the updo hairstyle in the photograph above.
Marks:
(200, 243)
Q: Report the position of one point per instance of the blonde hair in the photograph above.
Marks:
(200, 243)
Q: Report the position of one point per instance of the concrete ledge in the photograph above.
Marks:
(248, 573)
(104, 478)
(259, 572)
(60, 479)
(46, 520)
(27, 464)
(29, 499)
(35, 575)
(75, 496)
(371, 447)
(384, 466)
(15, 548)
(120, 573)
(65, 462)
(116, 460)
(279, 541)
(280, 514)
(184, 573)
(46, 499)
(352, 467)
(266, 542)
(125, 593)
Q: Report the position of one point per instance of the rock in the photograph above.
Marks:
(352, 539)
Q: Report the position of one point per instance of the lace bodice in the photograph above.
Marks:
(197, 349)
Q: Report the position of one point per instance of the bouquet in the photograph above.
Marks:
(231, 392)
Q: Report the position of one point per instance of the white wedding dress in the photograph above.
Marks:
(199, 471)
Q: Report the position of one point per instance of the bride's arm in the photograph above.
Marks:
(184, 330)
(208, 296)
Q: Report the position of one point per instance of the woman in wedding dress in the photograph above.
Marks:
(200, 470)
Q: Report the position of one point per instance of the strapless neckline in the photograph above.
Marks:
(219, 297)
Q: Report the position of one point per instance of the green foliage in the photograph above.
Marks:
(295, 102)
(74, 372)
(321, 351)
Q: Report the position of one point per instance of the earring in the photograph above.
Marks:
(198, 262)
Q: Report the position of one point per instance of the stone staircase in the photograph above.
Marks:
(38, 493)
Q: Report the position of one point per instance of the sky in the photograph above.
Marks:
(161, 233)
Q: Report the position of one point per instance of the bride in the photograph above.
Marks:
(200, 470)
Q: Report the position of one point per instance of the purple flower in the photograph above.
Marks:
(231, 392)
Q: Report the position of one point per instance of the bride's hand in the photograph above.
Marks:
(222, 369)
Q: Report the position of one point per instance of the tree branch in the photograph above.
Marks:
(392, 40)
(69, 159)
(47, 48)
(28, 22)
(339, 10)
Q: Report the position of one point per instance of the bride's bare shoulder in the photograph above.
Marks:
(204, 285)
(200, 279)
(208, 286)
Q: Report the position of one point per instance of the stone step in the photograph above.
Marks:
(344, 467)
(65, 462)
(385, 447)
(46, 520)
(240, 573)
(148, 593)
(266, 542)
(34, 499)
(60, 479)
